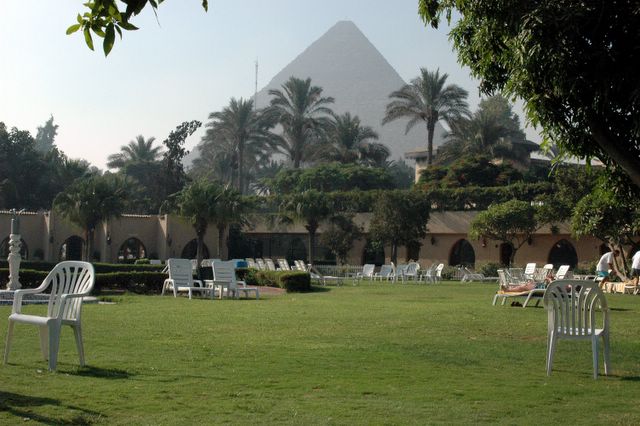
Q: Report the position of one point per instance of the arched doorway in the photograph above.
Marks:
(190, 251)
(372, 254)
(4, 249)
(131, 250)
(413, 251)
(563, 253)
(72, 248)
(506, 250)
(462, 253)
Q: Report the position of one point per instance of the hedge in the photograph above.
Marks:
(144, 282)
(292, 281)
(150, 282)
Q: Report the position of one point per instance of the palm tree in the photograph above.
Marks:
(231, 208)
(89, 201)
(197, 203)
(240, 129)
(302, 112)
(427, 99)
(311, 207)
(137, 151)
(350, 142)
(492, 130)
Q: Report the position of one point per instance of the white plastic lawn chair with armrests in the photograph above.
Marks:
(68, 282)
(181, 279)
(572, 306)
(224, 277)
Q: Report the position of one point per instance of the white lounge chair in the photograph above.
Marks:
(411, 271)
(270, 265)
(68, 282)
(284, 265)
(571, 307)
(181, 279)
(506, 288)
(385, 273)
(224, 278)
(367, 272)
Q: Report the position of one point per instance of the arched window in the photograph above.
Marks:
(372, 254)
(462, 253)
(131, 249)
(603, 249)
(72, 248)
(563, 253)
(506, 250)
(4, 249)
(190, 251)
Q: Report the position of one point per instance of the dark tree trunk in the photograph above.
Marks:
(221, 245)
(430, 130)
(199, 252)
(621, 152)
(394, 253)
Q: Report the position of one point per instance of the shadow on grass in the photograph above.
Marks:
(621, 309)
(318, 289)
(21, 406)
(102, 373)
(630, 379)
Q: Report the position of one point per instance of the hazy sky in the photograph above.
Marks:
(184, 65)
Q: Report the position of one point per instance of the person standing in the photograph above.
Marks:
(635, 267)
(606, 265)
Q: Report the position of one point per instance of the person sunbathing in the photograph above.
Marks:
(519, 288)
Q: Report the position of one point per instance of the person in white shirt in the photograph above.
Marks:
(605, 265)
(635, 267)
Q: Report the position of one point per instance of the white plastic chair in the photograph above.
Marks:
(411, 271)
(181, 278)
(385, 273)
(562, 272)
(224, 276)
(68, 282)
(438, 273)
(367, 272)
(270, 265)
(529, 271)
(284, 265)
(572, 307)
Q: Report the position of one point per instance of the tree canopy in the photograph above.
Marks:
(512, 222)
(574, 63)
(105, 18)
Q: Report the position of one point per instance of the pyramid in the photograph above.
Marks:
(351, 70)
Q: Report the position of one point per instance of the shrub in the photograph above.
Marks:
(292, 281)
(141, 262)
(489, 269)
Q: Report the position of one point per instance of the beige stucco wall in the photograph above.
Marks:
(167, 236)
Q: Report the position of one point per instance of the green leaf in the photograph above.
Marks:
(205, 5)
(73, 28)
(128, 26)
(109, 39)
(79, 18)
(87, 37)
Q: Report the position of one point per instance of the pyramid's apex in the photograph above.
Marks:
(344, 26)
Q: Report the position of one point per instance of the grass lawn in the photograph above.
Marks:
(370, 354)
